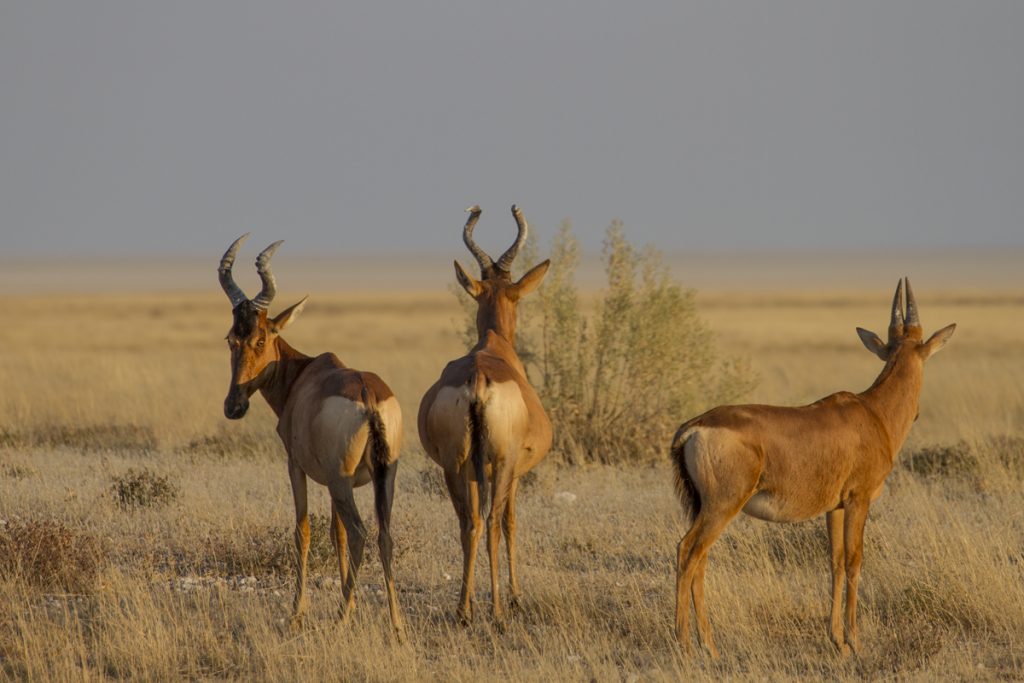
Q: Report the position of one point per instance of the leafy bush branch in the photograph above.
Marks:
(617, 382)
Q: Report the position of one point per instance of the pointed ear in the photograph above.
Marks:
(532, 279)
(472, 286)
(937, 341)
(285, 317)
(873, 343)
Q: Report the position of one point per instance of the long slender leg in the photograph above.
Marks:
(853, 531)
(457, 493)
(834, 524)
(339, 539)
(708, 526)
(384, 496)
(510, 545)
(703, 623)
(355, 531)
(502, 481)
(464, 498)
(683, 586)
(298, 480)
(471, 540)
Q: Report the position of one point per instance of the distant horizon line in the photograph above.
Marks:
(16, 258)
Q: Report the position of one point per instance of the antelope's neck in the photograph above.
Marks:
(497, 345)
(289, 366)
(894, 399)
(496, 317)
(487, 337)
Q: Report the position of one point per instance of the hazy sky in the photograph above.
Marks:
(171, 127)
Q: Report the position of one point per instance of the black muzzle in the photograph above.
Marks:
(235, 408)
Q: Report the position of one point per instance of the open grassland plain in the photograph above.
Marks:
(142, 535)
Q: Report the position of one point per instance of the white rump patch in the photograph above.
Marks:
(506, 416)
(711, 456)
(703, 456)
(448, 423)
(504, 413)
(339, 435)
(391, 416)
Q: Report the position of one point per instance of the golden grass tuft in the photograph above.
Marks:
(201, 588)
(49, 555)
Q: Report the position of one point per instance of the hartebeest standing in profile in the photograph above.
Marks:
(792, 464)
(482, 419)
(341, 427)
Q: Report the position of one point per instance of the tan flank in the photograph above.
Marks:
(482, 419)
(784, 464)
(341, 427)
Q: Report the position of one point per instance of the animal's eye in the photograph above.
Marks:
(260, 344)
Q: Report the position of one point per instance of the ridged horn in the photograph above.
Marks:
(467, 236)
(227, 281)
(266, 295)
(896, 321)
(505, 262)
(913, 320)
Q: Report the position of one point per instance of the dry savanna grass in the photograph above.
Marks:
(142, 535)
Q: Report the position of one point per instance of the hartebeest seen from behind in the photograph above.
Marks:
(340, 427)
(792, 464)
(482, 420)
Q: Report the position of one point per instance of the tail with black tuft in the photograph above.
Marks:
(687, 491)
(478, 441)
(380, 451)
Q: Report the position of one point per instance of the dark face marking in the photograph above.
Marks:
(246, 319)
(251, 354)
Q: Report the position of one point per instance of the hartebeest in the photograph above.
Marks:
(784, 464)
(340, 427)
(482, 419)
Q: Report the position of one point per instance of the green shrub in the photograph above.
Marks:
(616, 384)
(142, 488)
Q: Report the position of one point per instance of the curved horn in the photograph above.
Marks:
(467, 236)
(896, 321)
(266, 295)
(912, 317)
(227, 281)
(505, 262)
